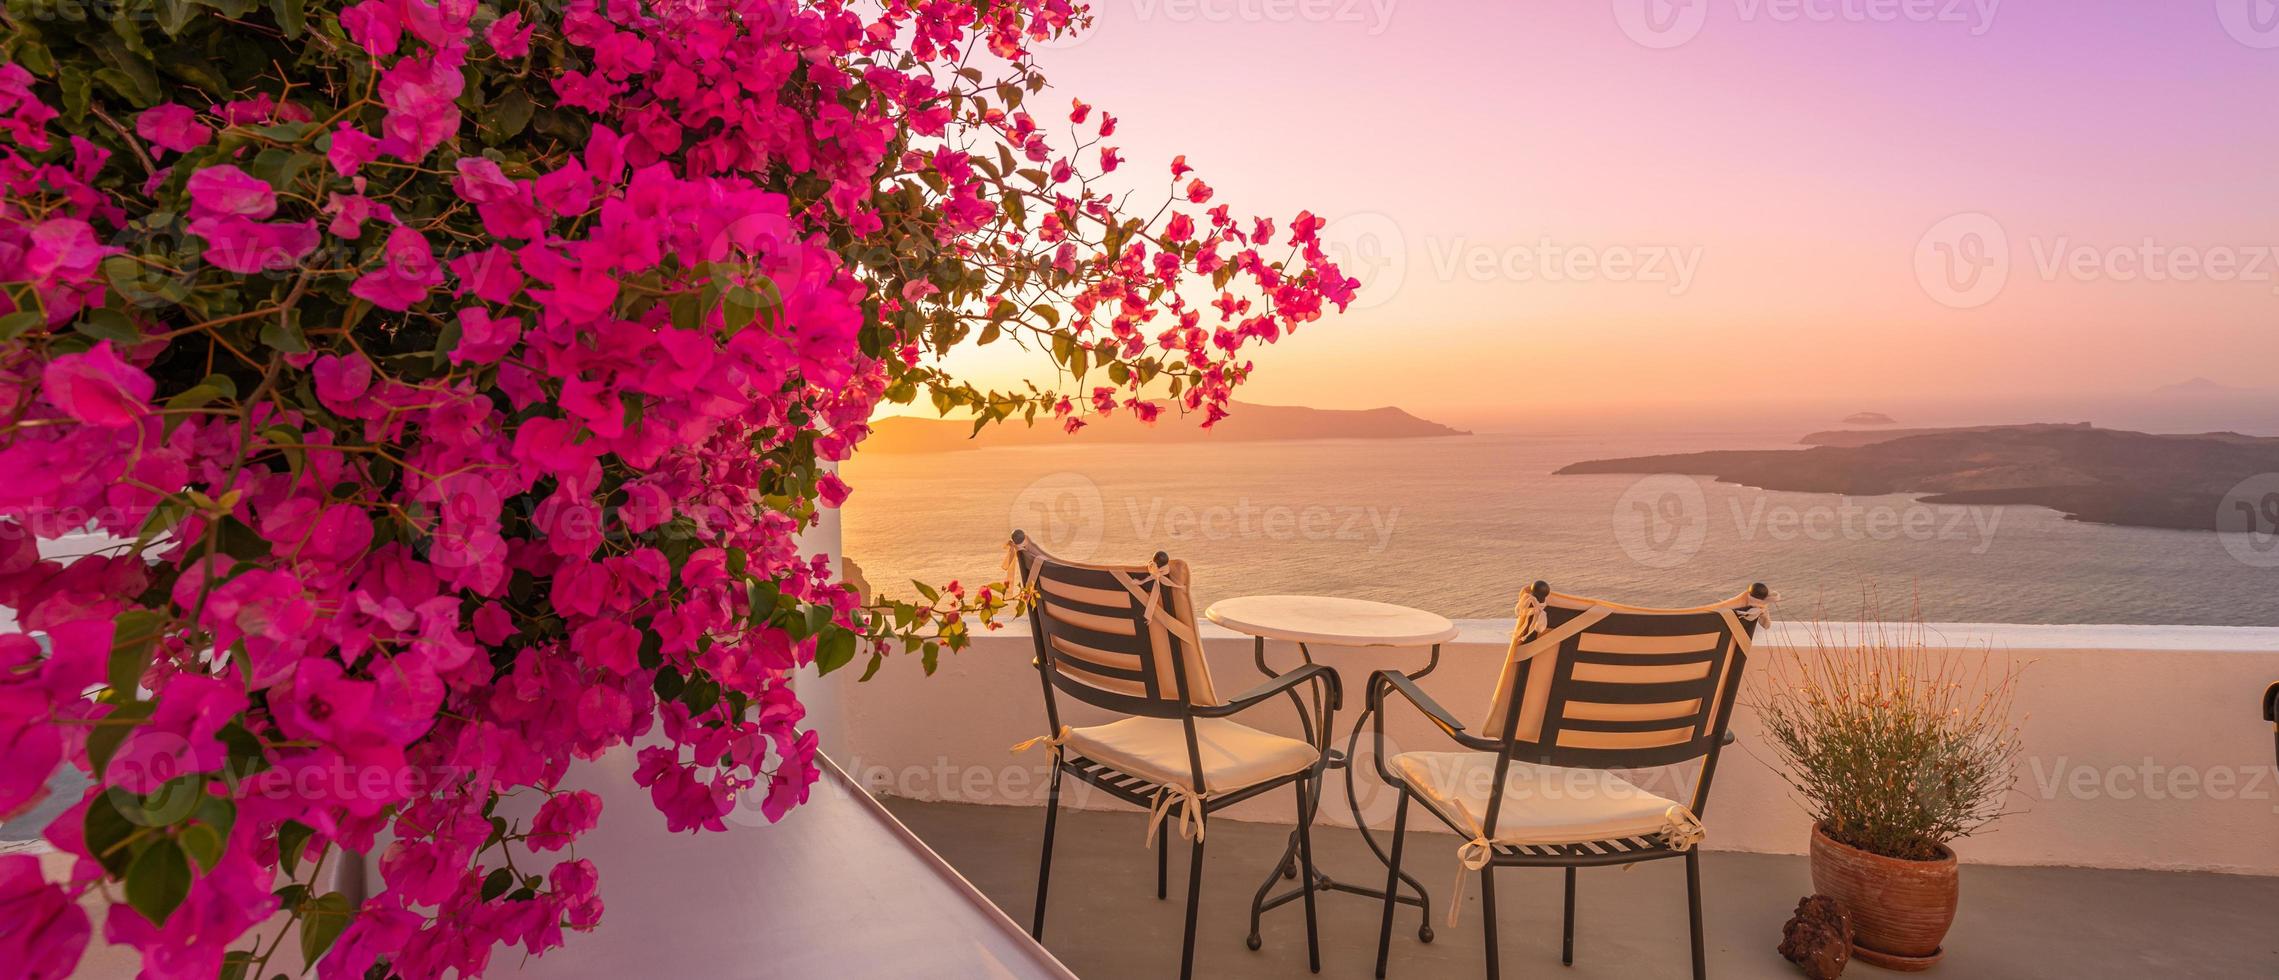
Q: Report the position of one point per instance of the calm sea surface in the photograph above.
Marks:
(1459, 525)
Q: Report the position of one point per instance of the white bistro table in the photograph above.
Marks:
(1306, 620)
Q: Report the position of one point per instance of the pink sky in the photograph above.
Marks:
(1772, 176)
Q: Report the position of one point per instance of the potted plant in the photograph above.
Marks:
(1897, 750)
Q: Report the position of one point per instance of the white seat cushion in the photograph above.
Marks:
(1155, 749)
(1542, 804)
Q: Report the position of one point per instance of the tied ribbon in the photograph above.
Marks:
(1681, 831)
(1027, 586)
(1759, 611)
(1051, 742)
(1530, 616)
(1190, 806)
(1472, 855)
(1152, 599)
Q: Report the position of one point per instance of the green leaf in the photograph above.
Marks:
(322, 919)
(132, 643)
(234, 964)
(835, 650)
(284, 333)
(106, 832)
(35, 58)
(292, 839)
(172, 16)
(208, 834)
(496, 883)
(103, 741)
(159, 880)
(510, 114)
(14, 324)
(291, 15)
(104, 323)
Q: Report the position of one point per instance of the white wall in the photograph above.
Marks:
(2144, 746)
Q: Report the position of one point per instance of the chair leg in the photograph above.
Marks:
(1162, 869)
(1693, 912)
(1194, 899)
(1567, 941)
(1488, 915)
(1044, 864)
(1306, 867)
(1392, 883)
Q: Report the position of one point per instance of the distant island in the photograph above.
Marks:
(1869, 418)
(2103, 476)
(1244, 423)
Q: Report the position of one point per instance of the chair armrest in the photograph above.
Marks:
(2271, 705)
(1252, 697)
(1398, 681)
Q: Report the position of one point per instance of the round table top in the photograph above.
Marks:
(1331, 620)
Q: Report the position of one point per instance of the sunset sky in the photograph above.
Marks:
(1776, 170)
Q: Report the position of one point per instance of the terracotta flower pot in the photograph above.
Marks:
(1900, 909)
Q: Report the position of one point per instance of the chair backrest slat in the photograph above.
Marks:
(1602, 685)
(1097, 643)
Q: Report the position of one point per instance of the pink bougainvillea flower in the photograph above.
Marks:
(350, 150)
(42, 931)
(1198, 192)
(509, 36)
(490, 275)
(65, 249)
(97, 388)
(687, 802)
(224, 189)
(180, 737)
(421, 95)
(23, 117)
(830, 489)
(244, 246)
(377, 26)
(350, 211)
(172, 127)
(406, 272)
(483, 338)
(562, 819)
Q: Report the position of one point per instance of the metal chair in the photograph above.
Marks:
(1587, 687)
(1123, 638)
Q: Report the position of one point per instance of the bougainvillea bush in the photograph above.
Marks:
(403, 402)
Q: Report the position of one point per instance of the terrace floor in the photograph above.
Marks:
(2015, 922)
